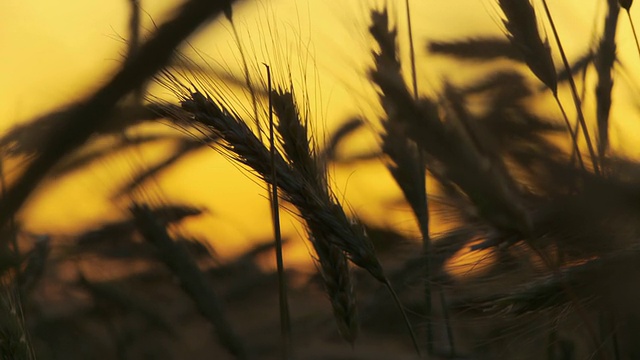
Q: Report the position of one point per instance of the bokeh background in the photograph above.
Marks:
(56, 53)
(59, 52)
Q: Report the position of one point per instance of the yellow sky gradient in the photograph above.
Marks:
(58, 52)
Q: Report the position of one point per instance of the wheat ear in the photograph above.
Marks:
(332, 262)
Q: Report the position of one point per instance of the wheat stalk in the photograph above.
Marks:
(626, 5)
(604, 60)
(285, 322)
(574, 92)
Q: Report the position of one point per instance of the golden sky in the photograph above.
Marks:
(58, 52)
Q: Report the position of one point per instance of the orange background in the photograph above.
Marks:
(58, 52)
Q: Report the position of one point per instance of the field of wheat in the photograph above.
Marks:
(314, 180)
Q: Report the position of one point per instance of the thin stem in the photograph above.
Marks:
(576, 129)
(423, 215)
(447, 322)
(414, 78)
(396, 299)
(604, 63)
(134, 43)
(574, 90)
(285, 320)
(573, 133)
(633, 29)
(423, 220)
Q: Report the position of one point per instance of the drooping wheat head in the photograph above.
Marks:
(521, 24)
